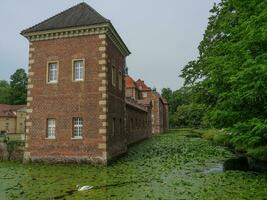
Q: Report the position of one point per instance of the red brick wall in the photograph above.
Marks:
(133, 92)
(116, 103)
(65, 100)
(165, 117)
(161, 116)
(157, 112)
(138, 124)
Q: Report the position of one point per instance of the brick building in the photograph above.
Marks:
(76, 104)
(138, 90)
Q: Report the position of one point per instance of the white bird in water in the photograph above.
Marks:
(84, 188)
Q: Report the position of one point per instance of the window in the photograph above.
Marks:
(120, 127)
(120, 80)
(52, 72)
(132, 125)
(113, 126)
(77, 127)
(113, 76)
(78, 70)
(51, 128)
(144, 95)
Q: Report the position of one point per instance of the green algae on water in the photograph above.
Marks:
(168, 166)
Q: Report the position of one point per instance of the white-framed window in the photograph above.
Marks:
(120, 80)
(144, 94)
(77, 127)
(113, 75)
(52, 72)
(51, 128)
(78, 70)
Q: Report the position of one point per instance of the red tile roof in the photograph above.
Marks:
(129, 82)
(9, 110)
(142, 86)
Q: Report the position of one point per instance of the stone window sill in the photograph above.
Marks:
(50, 138)
(77, 138)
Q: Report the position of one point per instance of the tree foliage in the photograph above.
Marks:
(18, 85)
(4, 92)
(15, 92)
(230, 75)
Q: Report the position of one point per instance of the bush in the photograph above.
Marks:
(259, 153)
(220, 118)
(250, 134)
(188, 115)
(209, 134)
(222, 139)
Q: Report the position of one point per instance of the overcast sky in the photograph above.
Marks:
(162, 35)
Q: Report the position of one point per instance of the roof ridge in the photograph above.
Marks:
(64, 11)
(91, 8)
(50, 18)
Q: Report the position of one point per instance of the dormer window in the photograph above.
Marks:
(78, 70)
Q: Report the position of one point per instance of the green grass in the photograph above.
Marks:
(167, 166)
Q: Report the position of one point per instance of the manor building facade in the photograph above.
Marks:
(77, 110)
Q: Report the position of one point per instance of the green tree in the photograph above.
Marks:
(232, 66)
(166, 93)
(4, 92)
(230, 74)
(18, 87)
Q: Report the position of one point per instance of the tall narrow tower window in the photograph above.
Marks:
(77, 127)
(120, 80)
(51, 128)
(78, 70)
(113, 75)
(52, 72)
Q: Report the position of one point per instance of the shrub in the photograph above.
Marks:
(210, 134)
(222, 138)
(189, 115)
(250, 134)
(259, 153)
(220, 118)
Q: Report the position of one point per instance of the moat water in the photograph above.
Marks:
(169, 166)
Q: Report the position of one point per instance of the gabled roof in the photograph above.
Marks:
(164, 100)
(76, 16)
(142, 86)
(10, 110)
(129, 82)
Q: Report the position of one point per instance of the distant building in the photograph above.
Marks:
(76, 105)
(138, 90)
(12, 118)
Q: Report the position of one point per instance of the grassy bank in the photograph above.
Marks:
(229, 139)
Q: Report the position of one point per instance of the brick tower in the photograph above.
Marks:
(76, 93)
